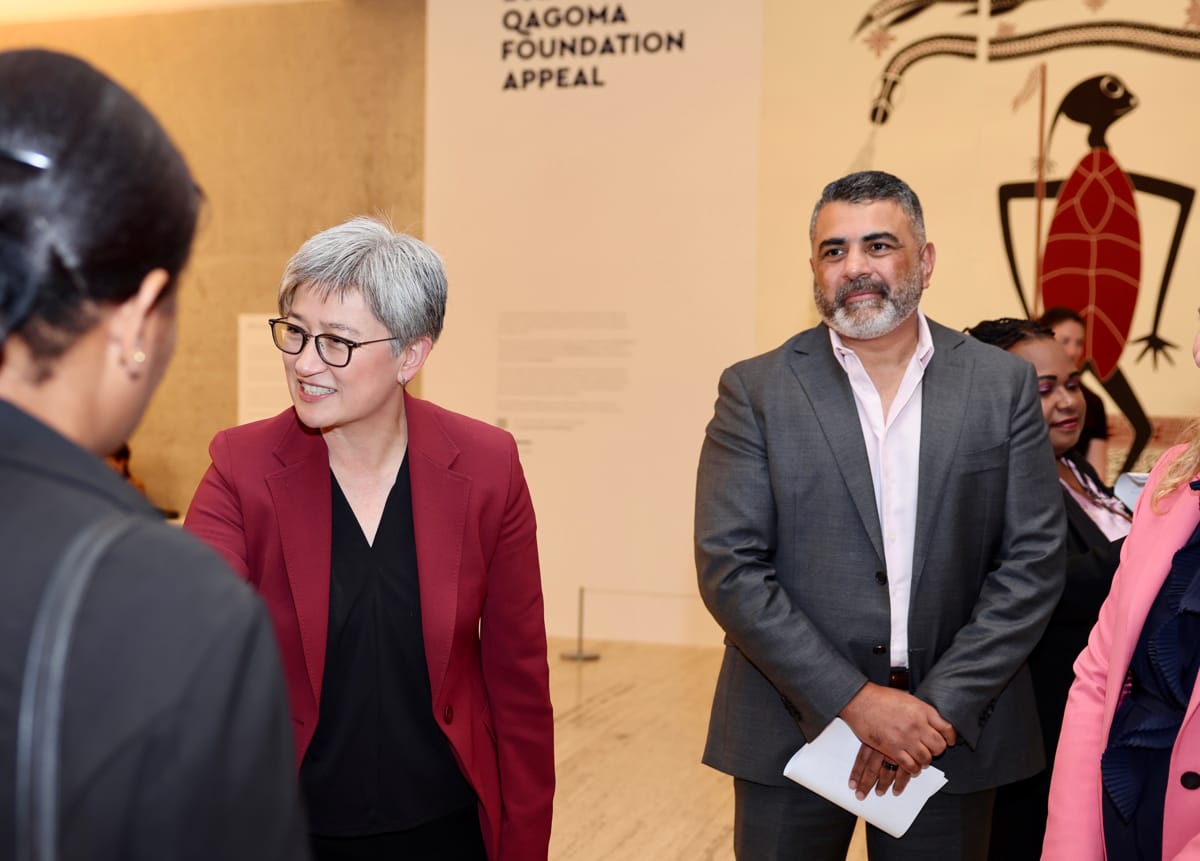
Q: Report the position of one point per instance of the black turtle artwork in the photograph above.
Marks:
(1091, 259)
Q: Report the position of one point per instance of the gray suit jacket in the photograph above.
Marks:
(790, 558)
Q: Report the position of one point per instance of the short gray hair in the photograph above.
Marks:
(400, 277)
(869, 186)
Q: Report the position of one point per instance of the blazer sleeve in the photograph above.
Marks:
(215, 513)
(253, 795)
(736, 542)
(1074, 827)
(516, 676)
(230, 790)
(1019, 593)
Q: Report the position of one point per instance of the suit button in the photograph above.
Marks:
(448, 714)
(879, 649)
(1190, 780)
(880, 577)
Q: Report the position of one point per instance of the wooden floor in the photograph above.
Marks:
(629, 731)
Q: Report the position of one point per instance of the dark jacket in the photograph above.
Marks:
(1091, 562)
(1019, 818)
(789, 552)
(176, 736)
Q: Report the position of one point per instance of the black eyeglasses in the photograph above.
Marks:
(333, 350)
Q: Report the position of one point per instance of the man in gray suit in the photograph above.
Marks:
(879, 532)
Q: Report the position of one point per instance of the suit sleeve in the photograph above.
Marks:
(736, 541)
(1019, 593)
(215, 514)
(228, 788)
(1074, 827)
(516, 675)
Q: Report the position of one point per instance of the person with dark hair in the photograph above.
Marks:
(172, 738)
(119, 461)
(1097, 523)
(1070, 329)
(396, 545)
(879, 535)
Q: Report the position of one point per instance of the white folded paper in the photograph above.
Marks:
(823, 766)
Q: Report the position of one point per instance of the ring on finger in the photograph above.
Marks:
(890, 766)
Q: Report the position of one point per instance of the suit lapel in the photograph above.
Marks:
(302, 495)
(440, 500)
(1082, 531)
(945, 390)
(1165, 532)
(828, 390)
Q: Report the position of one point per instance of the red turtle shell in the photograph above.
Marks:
(1092, 262)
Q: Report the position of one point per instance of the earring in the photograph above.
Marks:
(139, 357)
(403, 381)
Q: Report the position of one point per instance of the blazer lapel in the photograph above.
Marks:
(440, 503)
(828, 390)
(945, 388)
(302, 495)
(1167, 532)
(1082, 531)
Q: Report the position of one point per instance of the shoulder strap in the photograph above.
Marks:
(39, 717)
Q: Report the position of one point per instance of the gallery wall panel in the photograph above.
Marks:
(598, 224)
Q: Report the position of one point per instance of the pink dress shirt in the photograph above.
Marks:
(894, 451)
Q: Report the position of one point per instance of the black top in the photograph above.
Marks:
(1019, 819)
(176, 736)
(1162, 674)
(1091, 563)
(378, 761)
(1095, 422)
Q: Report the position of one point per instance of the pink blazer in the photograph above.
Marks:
(265, 504)
(1075, 831)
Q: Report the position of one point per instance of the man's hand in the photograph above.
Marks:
(903, 729)
(871, 769)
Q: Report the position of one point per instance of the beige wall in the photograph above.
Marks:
(54, 10)
(601, 251)
(293, 117)
(956, 137)
(297, 115)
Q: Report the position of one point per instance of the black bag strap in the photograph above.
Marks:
(39, 717)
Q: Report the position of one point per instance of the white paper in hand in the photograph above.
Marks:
(823, 766)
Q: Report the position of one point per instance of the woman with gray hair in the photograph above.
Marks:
(394, 543)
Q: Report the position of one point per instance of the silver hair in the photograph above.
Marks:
(401, 278)
(869, 186)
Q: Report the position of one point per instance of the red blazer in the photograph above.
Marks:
(1075, 829)
(265, 504)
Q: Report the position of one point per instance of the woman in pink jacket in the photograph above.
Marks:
(1126, 781)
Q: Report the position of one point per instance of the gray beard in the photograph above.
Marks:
(874, 318)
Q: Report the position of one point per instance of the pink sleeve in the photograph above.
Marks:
(1074, 828)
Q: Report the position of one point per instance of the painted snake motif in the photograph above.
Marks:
(1122, 34)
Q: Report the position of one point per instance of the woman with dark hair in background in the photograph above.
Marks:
(1070, 330)
(1097, 523)
(395, 543)
(175, 741)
